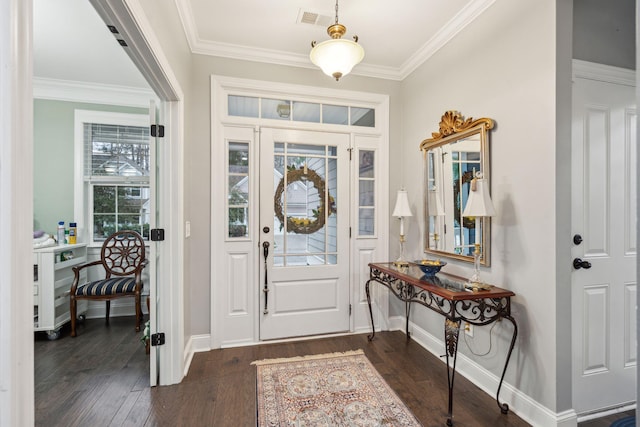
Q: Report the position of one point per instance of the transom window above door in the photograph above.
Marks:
(300, 111)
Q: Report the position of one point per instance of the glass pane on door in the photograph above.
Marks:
(305, 205)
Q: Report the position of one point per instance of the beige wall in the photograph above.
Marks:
(501, 66)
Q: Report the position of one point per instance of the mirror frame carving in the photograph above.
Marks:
(453, 127)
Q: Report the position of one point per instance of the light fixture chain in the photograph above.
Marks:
(336, 11)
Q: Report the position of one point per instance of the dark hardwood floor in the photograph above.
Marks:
(101, 378)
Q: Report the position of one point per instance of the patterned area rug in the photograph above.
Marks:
(339, 389)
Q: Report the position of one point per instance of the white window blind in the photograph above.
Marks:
(116, 151)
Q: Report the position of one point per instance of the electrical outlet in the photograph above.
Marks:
(468, 329)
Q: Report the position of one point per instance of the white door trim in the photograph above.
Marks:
(220, 309)
(603, 73)
(16, 213)
(146, 52)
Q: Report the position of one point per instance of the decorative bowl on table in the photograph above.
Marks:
(429, 266)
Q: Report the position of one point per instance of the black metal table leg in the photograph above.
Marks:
(407, 311)
(451, 334)
(373, 328)
(504, 408)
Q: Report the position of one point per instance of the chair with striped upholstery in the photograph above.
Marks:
(122, 258)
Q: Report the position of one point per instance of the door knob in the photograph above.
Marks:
(578, 264)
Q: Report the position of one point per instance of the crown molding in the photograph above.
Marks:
(267, 56)
(456, 24)
(233, 51)
(603, 73)
(94, 93)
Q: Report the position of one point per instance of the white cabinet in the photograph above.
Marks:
(52, 279)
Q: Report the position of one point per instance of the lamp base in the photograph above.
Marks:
(400, 262)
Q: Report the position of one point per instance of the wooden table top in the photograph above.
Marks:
(443, 284)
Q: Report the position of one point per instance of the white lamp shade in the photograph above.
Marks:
(479, 203)
(434, 204)
(402, 208)
(337, 57)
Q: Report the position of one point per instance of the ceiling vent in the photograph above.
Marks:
(314, 18)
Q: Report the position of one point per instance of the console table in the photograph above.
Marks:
(447, 295)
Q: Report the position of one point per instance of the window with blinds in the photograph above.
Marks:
(116, 151)
(116, 171)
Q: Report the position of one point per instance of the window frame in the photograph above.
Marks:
(83, 190)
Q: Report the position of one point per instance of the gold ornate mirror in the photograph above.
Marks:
(452, 157)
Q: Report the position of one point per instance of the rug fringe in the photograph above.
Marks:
(308, 357)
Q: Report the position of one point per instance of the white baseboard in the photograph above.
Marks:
(187, 356)
(195, 344)
(521, 404)
(201, 343)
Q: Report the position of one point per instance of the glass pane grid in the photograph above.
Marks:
(291, 110)
(238, 190)
(366, 193)
(119, 207)
(304, 220)
(116, 150)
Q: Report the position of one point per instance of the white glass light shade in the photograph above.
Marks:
(402, 208)
(479, 203)
(434, 204)
(337, 57)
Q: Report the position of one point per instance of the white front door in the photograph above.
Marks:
(604, 216)
(304, 233)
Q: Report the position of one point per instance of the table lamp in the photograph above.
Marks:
(434, 209)
(401, 211)
(479, 205)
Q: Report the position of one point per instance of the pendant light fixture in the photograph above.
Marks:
(336, 57)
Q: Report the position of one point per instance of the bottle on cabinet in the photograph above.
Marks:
(73, 233)
(61, 233)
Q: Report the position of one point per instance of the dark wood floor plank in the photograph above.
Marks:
(101, 378)
(121, 417)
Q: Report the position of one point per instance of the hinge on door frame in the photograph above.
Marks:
(350, 150)
(157, 234)
(349, 232)
(349, 309)
(157, 131)
(157, 339)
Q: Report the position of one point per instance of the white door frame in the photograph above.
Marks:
(244, 315)
(146, 53)
(16, 213)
